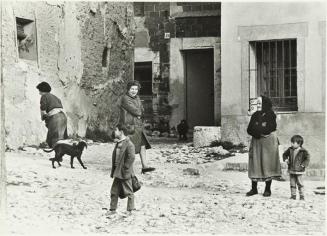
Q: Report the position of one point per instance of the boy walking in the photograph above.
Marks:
(122, 169)
(297, 159)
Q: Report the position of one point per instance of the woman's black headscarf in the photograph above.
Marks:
(44, 87)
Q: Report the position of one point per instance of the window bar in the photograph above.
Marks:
(259, 70)
(276, 72)
(282, 91)
(283, 59)
(256, 68)
(276, 75)
(249, 74)
(290, 55)
(262, 69)
(268, 70)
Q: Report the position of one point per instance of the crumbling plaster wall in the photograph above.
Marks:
(71, 37)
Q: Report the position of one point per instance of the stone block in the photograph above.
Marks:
(191, 171)
(203, 136)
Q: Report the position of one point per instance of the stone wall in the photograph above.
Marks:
(152, 20)
(159, 24)
(71, 40)
(3, 172)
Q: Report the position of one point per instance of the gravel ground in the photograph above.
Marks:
(42, 200)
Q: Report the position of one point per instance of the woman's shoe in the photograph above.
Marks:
(267, 192)
(253, 190)
(147, 169)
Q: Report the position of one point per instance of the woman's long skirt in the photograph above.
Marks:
(57, 128)
(264, 163)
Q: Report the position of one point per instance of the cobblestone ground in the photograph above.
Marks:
(42, 200)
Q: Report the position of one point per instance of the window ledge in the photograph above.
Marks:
(286, 112)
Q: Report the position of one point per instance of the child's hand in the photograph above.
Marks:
(302, 166)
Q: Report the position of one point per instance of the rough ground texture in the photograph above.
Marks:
(64, 200)
(84, 50)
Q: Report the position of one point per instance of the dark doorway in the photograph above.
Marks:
(143, 74)
(199, 80)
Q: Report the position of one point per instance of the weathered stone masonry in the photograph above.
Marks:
(85, 51)
(180, 20)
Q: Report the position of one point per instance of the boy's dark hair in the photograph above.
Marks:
(297, 139)
(120, 127)
(123, 128)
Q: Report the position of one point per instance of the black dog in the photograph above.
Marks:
(71, 150)
(182, 129)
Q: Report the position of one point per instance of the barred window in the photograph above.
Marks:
(275, 72)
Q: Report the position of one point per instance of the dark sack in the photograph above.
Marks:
(136, 184)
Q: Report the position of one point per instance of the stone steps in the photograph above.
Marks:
(243, 166)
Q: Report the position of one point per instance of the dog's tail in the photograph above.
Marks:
(50, 150)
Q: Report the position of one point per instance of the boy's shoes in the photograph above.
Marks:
(130, 212)
(301, 197)
(293, 197)
(148, 169)
(111, 212)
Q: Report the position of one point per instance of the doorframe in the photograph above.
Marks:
(177, 76)
(184, 52)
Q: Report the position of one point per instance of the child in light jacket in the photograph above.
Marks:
(297, 159)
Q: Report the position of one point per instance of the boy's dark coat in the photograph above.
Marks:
(124, 169)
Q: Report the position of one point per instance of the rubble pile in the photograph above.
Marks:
(320, 191)
(190, 155)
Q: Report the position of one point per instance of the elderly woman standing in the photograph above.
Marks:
(264, 163)
(131, 111)
(53, 115)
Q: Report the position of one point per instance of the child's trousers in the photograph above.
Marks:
(122, 187)
(296, 179)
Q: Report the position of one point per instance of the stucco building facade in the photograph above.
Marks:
(278, 50)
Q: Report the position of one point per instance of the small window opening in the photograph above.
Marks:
(26, 38)
(105, 57)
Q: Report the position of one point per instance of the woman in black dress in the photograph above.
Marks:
(53, 115)
(264, 163)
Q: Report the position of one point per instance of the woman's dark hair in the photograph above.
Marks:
(297, 139)
(133, 83)
(44, 87)
(266, 104)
